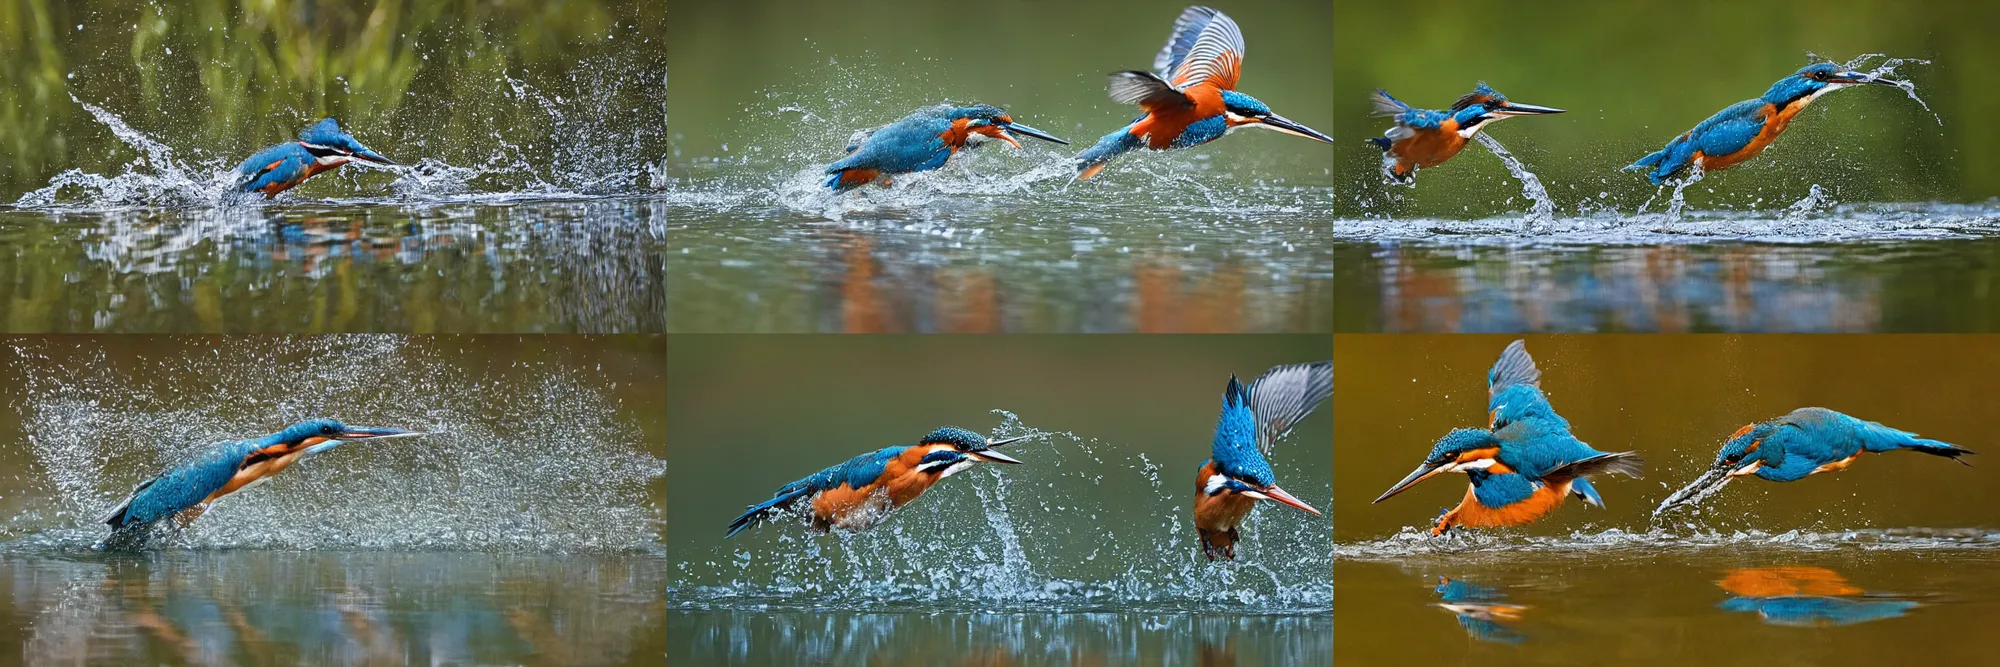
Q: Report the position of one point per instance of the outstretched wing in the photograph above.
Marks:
(1206, 47)
(1284, 395)
(1514, 367)
(1629, 464)
(1147, 90)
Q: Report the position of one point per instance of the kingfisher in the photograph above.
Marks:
(1805, 442)
(1192, 100)
(1424, 138)
(1254, 418)
(861, 493)
(1805, 596)
(1746, 128)
(323, 146)
(1524, 463)
(1483, 611)
(225, 468)
(923, 141)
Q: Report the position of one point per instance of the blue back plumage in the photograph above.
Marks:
(1817, 611)
(1235, 446)
(1797, 444)
(327, 132)
(190, 483)
(854, 473)
(911, 144)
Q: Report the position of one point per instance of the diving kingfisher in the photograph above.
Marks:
(1524, 463)
(1254, 418)
(1192, 100)
(229, 467)
(323, 146)
(1746, 128)
(923, 141)
(1423, 138)
(1483, 611)
(861, 493)
(1805, 442)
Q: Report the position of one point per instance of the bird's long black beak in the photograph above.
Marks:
(1422, 473)
(987, 454)
(1288, 126)
(1519, 109)
(1032, 132)
(1279, 495)
(367, 433)
(366, 155)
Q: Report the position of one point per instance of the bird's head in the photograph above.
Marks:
(953, 449)
(1245, 111)
(318, 435)
(1485, 105)
(1463, 450)
(1742, 454)
(1819, 79)
(989, 121)
(328, 143)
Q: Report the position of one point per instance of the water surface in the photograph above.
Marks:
(1227, 237)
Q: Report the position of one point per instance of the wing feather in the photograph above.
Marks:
(1206, 47)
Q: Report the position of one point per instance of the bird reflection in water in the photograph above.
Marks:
(875, 292)
(1805, 596)
(1664, 288)
(1482, 611)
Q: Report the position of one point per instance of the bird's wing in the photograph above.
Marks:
(1629, 464)
(1500, 490)
(1514, 367)
(184, 486)
(1284, 395)
(1384, 105)
(1731, 130)
(1206, 47)
(1147, 90)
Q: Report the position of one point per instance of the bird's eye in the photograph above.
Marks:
(328, 430)
(1732, 459)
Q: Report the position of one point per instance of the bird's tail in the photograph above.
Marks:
(763, 510)
(1112, 145)
(1666, 162)
(849, 179)
(1629, 464)
(1878, 438)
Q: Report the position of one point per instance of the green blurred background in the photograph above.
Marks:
(861, 65)
(1635, 74)
(1674, 399)
(411, 78)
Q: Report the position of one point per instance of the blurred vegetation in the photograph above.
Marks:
(576, 85)
(1635, 74)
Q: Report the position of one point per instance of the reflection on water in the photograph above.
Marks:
(365, 608)
(1483, 611)
(1798, 286)
(1805, 595)
(1658, 605)
(994, 639)
(579, 265)
(1055, 268)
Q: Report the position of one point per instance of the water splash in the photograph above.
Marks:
(1417, 542)
(1884, 70)
(990, 539)
(157, 178)
(1544, 208)
(504, 466)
